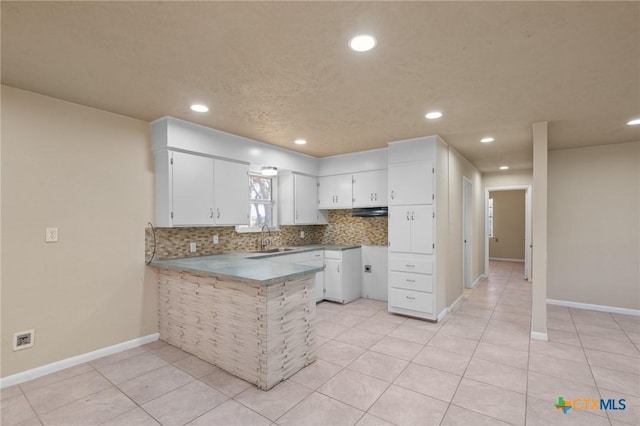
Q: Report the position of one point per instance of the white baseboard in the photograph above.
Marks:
(456, 303)
(602, 308)
(443, 314)
(507, 259)
(536, 335)
(477, 280)
(34, 373)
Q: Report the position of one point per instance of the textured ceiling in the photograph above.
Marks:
(277, 71)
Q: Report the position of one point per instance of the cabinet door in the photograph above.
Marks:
(231, 193)
(192, 189)
(326, 192)
(319, 290)
(399, 229)
(306, 199)
(333, 280)
(370, 189)
(343, 191)
(421, 229)
(411, 183)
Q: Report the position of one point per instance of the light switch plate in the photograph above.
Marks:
(51, 235)
(216, 240)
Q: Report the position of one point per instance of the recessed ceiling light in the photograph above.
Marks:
(300, 142)
(199, 108)
(362, 43)
(487, 140)
(504, 167)
(433, 115)
(634, 122)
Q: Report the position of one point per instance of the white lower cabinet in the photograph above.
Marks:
(342, 277)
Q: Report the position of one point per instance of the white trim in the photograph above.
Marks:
(506, 259)
(601, 308)
(456, 303)
(442, 314)
(477, 280)
(34, 373)
(536, 335)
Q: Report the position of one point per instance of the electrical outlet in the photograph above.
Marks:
(51, 235)
(23, 339)
(301, 234)
(216, 240)
(192, 247)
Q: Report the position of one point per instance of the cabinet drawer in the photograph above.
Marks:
(408, 281)
(333, 254)
(411, 300)
(411, 263)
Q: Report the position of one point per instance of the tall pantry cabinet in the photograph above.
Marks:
(414, 168)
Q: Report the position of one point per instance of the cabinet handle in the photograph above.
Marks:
(393, 195)
(376, 196)
(218, 213)
(210, 213)
(411, 215)
(407, 215)
(410, 266)
(372, 196)
(338, 268)
(410, 281)
(410, 297)
(296, 214)
(336, 198)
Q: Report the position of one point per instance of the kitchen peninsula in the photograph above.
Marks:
(251, 317)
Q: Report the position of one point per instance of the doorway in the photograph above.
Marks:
(491, 235)
(467, 202)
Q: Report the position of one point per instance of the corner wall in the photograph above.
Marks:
(89, 173)
(594, 225)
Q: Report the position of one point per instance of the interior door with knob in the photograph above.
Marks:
(467, 191)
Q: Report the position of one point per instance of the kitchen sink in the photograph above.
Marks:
(275, 250)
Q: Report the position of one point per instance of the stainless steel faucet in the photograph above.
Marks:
(263, 244)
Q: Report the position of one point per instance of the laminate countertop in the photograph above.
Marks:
(254, 268)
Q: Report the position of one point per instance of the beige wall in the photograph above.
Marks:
(89, 173)
(508, 225)
(594, 225)
(459, 167)
(507, 178)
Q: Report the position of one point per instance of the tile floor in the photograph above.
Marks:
(478, 367)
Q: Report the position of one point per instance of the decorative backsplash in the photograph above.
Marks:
(342, 229)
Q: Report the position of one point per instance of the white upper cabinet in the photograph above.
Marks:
(192, 190)
(335, 192)
(370, 189)
(411, 183)
(231, 193)
(298, 195)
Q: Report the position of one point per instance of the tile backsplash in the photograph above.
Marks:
(342, 229)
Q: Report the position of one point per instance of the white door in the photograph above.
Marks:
(411, 183)
(231, 181)
(306, 199)
(399, 229)
(467, 191)
(333, 280)
(421, 219)
(343, 191)
(192, 195)
(326, 192)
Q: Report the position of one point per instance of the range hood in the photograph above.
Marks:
(370, 212)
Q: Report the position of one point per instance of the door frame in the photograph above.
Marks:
(528, 275)
(467, 226)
